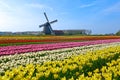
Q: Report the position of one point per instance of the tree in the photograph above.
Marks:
(118, 33)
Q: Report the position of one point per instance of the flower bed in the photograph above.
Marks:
(8, 62)
(95, 64)
(10, 50)
(17, 40)
(98, 57)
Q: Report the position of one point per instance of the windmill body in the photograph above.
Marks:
(47, 29)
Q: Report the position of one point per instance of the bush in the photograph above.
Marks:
(118, 33)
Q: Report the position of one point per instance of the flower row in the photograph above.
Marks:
(109, 72)
(75, 67)
(10, 61)
(50, 39)
(16, 39)
(9, 50)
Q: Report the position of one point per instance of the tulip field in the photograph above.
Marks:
(59, 57)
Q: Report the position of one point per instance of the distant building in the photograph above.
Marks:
(5, 33)
(72, 32)
(28, 33)
(21, 33)
(57, 32)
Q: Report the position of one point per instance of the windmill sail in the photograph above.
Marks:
(53, 21)
(41, 25)
(46, 17)
(47, 26)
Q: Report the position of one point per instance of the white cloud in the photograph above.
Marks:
(87, 5)
(5, 18)
(4, 6)
(113, 8)
(40, 6)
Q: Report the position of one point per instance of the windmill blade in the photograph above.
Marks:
(42, 25)
(46, 17)
(53, 21)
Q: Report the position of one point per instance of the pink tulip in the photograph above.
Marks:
(10, 50)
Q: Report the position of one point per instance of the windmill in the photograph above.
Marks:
(47, 29)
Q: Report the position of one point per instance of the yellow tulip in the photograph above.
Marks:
(64, 70)
(96, 70)
(71, 78)
(89, 73)
(64, 78)
(47, 73)
(34, 78)
(55, 76)
(77, 73)
(5, 78)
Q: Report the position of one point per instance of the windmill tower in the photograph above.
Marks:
(47, 29)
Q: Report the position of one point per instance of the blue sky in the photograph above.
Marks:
(100, 16)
